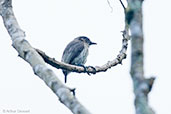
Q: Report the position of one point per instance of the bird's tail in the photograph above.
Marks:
(65, 75)
(65, 78)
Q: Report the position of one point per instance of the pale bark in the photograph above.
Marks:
(29, 54)
(142, 86)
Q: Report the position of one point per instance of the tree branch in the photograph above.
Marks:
(29, 54)
(103, 68)
(142, 86)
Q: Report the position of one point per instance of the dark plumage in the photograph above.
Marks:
(76, 52)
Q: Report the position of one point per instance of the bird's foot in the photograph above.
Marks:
(94, 70)
(86, 69)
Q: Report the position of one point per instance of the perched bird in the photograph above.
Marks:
(76, 52)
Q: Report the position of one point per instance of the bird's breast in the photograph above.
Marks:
(81, 58)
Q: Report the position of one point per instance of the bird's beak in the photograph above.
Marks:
(93, 43)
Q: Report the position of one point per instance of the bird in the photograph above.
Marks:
(76, 53)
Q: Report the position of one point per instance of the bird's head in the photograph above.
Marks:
(86, 40)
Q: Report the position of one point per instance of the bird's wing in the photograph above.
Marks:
(72, 50)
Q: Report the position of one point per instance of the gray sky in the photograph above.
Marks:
(50, 26)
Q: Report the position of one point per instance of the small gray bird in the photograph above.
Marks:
(76, 52)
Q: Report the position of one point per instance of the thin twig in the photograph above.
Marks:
(122, 5)
(110, 5)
